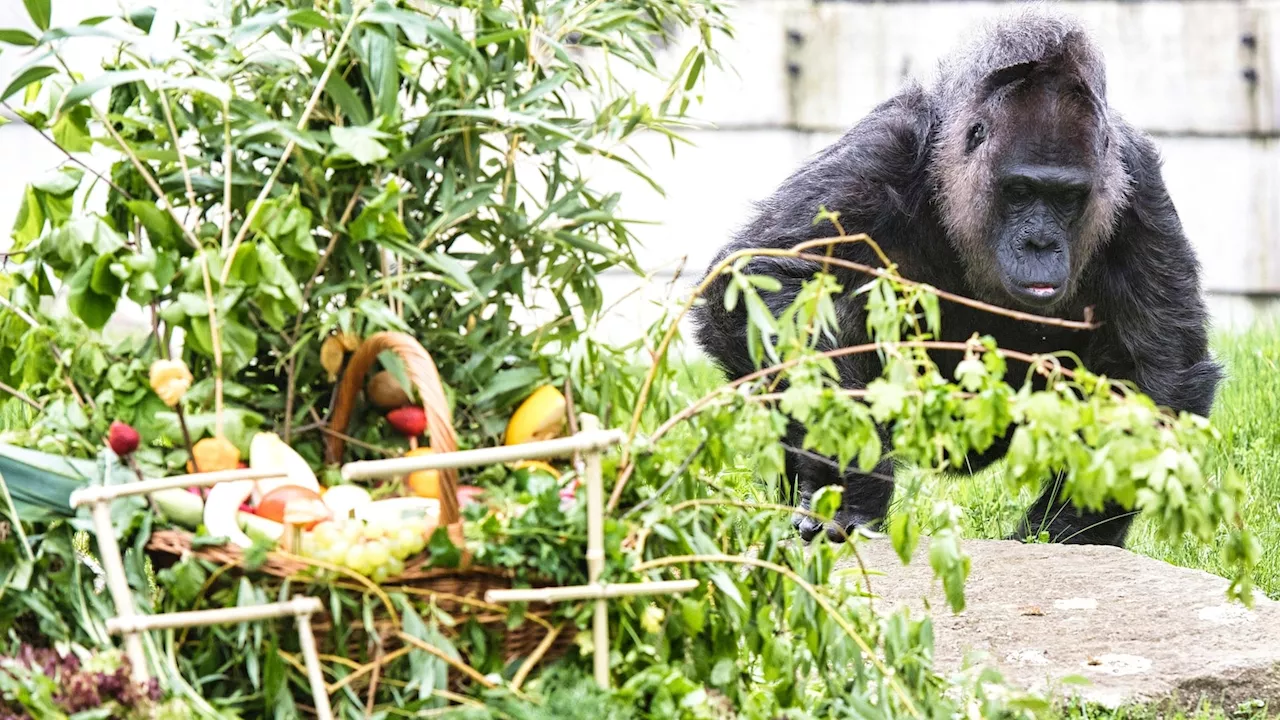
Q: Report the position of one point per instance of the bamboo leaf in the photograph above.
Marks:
(13, 36)
(40, 12)
(27, 77)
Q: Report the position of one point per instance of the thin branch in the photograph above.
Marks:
(535, 657)
(215, 332)
(1037, 362)
(798, 251)
(22, 396)
(228, 156)
(323, 427)
(291, 373)
(289, 148)
(53, 348)
(163, 348)
(182, 159)
(960, 299)
(571, 415)
(812, 591)
(675, 476)
(450, 661)
(4, 302)
(75, 159)
(373, 681)
(362, 670)
(748, 505)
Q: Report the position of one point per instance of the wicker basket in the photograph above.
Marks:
(459, 592)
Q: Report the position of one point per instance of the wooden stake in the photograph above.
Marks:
(91, 495)
(586, 441)
(589, 592)
(595, 555)
(307, 640)
(129, 624)
(590, 441)
(118, 584)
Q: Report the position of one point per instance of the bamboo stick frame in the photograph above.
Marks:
(589, 592)
(130, 625)
(589, 442)
(91, 495)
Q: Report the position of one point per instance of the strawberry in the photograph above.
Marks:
(122, 439)
(410, 420)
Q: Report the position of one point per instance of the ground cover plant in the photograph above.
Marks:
(1246, 441)
(290, 179)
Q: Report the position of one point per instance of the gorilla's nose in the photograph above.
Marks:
(1040, 241)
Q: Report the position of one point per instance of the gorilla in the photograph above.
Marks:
(1010, 180)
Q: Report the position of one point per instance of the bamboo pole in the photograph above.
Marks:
(298, 606)
(589, 592)
(595, 553)
(118, 584)
(89, 495)
(588, 441)
(307, 640)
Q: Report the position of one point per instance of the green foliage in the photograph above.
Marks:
(381, 167)
(295, 170)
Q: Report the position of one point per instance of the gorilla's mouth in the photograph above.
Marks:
(1037, 294)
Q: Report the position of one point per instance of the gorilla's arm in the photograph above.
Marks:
(874, 177)
(1155, 319)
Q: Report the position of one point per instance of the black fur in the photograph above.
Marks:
(897, 174)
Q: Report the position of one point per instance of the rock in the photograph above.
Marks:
(1140, 630)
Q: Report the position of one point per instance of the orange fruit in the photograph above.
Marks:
(423, 483)
(212, 454)
(276, 503)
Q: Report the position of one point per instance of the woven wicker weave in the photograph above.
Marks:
(459, 592)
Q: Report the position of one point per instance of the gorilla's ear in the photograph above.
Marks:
(1007, 76)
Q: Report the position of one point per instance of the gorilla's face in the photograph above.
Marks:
(1040, 207)
(1028, 185)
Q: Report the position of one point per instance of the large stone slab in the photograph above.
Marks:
(1139, 629)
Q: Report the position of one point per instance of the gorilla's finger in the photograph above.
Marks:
(806, 525)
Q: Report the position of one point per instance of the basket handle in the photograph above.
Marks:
(426, 379)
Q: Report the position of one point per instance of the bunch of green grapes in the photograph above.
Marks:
(375, 550)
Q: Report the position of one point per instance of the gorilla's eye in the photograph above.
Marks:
(1072, 200)
(977, 134)
(1017, 194)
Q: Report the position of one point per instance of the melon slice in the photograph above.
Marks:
(268, 452)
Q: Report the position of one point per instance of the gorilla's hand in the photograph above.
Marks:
(863, 505)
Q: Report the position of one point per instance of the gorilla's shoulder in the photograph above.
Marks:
(892, 141)
(877, 169)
